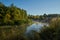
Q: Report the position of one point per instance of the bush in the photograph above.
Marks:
(52, 32)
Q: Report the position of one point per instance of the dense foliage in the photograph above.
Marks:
(12, 15)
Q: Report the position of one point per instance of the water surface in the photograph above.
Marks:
(36, 27)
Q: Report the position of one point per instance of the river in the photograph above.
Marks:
(36, 27)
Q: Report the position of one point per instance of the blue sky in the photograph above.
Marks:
(36, 7)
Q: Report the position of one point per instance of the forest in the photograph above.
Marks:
(14, 21)
(12, 15)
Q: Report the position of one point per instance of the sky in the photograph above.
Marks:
(36, 7)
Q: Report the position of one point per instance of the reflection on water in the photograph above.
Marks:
(35, 27)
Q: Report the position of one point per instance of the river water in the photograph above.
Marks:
(36, 27)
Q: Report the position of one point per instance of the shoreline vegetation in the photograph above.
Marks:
(13, 22)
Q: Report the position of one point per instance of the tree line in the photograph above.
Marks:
(12, 15)
(44, 18)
